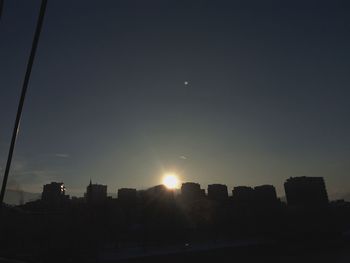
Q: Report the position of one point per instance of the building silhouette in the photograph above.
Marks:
(96, 193)
(306, 191)
(157, 193)
(156, 218)
(217, 192)
(54, 193)
(243, 194)
(127, 195)
(265, 195)
(192, 191)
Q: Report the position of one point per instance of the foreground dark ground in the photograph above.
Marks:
(321, 251)
(164, 228)
(337, 252)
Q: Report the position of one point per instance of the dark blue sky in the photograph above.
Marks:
(268, 93)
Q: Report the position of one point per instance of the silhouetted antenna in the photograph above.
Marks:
(23, 94)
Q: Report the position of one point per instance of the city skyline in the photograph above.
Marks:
(181, 180)
(299, 191)
(228, 92)
(178, 189)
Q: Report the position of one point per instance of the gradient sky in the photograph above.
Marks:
(268, 94)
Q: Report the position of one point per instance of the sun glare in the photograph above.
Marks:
(171, 181)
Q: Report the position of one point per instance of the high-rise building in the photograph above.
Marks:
(305, 191)
(53, 192)
(217, 192)
(265, 195)
(191, 191)
(96, 193)
(243, 194)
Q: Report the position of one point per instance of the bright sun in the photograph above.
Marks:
(171, 181)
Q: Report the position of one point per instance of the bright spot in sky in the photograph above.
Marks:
(186, 83)
(171, 181)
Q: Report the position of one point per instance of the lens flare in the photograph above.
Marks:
(171, 181)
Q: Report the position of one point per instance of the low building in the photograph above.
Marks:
(157, 193)
(127, 195)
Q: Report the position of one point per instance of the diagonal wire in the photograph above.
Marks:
(1, 7)
(22, 98)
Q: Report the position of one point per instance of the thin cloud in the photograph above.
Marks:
(62, 155)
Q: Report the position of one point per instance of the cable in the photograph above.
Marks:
(1, 7)
(22, 98)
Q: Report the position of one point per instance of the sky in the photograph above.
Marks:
(266, 94)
